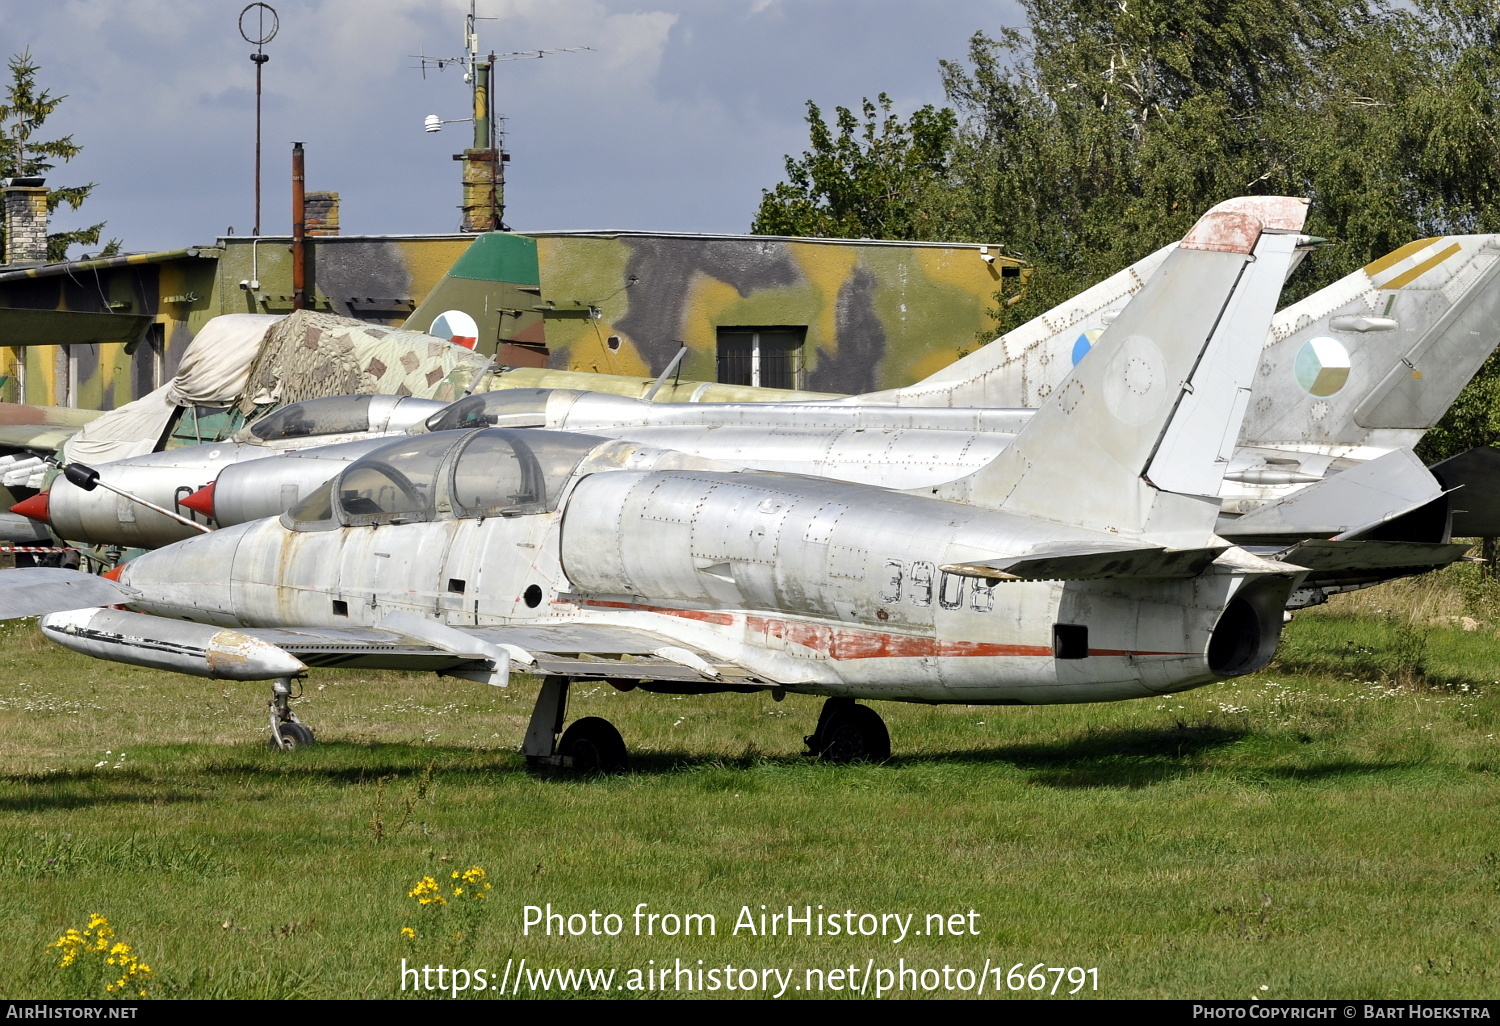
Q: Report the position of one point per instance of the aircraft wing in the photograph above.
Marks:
(38, 437)
(1347, 505)
(574, 650)
(33, 591)
(1336, 564)
(43, 428)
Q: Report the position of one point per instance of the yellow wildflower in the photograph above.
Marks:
(408, 933)
(98, 939)
(427, 892)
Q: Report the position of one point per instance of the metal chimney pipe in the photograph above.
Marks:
(299, 231)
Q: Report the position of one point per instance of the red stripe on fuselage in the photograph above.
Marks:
(723, 619)
(843, 643)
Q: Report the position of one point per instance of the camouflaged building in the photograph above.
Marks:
(820, 315)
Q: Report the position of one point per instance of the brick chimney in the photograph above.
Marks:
(25, 220)
(322, 217)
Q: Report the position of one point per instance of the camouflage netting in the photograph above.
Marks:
(309, 355)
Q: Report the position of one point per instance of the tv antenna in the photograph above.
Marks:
(483, 177)
(258, 29)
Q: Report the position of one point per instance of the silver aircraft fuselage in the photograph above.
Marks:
(816, 586)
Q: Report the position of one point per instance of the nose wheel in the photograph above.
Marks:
(847, 732)
(589, 745)
(287, 732)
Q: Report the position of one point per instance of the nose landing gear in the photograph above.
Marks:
(847, 732)
(287, 732)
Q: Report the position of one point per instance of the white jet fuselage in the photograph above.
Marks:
(817, 586)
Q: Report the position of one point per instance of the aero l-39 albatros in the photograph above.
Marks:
(1079, 565)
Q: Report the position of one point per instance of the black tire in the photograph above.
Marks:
(294, 736)
(854, 733)
(594, 745)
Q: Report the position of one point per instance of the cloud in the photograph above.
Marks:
(677, 118)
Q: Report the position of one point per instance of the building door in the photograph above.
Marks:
(765, 357)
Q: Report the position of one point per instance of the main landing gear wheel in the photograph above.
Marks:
(594, 746)
(849, 733)
(591, 745)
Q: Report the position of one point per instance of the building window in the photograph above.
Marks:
(146, 361)
(17, 382)
(767, 357)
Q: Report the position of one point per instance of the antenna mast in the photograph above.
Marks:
(260, 35)
(483, 163)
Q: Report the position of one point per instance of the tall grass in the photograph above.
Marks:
(1324, 829)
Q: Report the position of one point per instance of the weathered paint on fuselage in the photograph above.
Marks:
(819, 586)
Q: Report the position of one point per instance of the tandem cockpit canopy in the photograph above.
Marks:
(342, 415)
(506, 408)
(458, 474)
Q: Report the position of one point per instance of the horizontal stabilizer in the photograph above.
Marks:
(1091, 564)
(1476, 506)
(1353, 502)
(37, 590)
(1343, 557)
(1238, 560)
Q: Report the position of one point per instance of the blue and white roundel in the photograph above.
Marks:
(1085, 343)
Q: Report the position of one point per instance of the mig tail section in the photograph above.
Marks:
(1374, 360)
(489, 301)
(1021, 368)
(1135, 440)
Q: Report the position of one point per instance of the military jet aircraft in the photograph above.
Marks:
(1367, 521)
(1328, 360)
(1079, 565)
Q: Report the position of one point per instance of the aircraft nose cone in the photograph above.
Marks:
(35, 508)
(201, 501)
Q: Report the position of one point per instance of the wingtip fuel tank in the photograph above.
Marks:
(198, 649)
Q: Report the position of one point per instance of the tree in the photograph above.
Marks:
(1100, 131)
(21, 116)
(873, 180)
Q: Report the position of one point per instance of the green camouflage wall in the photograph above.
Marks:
(878, 315)
(175, 290)
(378, 279)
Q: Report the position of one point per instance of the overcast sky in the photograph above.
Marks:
(676, 121)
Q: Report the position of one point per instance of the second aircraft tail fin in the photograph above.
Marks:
(1135, 440)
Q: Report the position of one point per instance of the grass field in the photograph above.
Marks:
(1324, 829)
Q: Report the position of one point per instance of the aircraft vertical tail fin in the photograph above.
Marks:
(1020, 369)
(489, 301)
(1136, 439)
(1377, 357)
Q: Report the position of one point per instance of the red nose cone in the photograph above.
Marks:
(35, 508)
(114, 575)
(201, 501)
